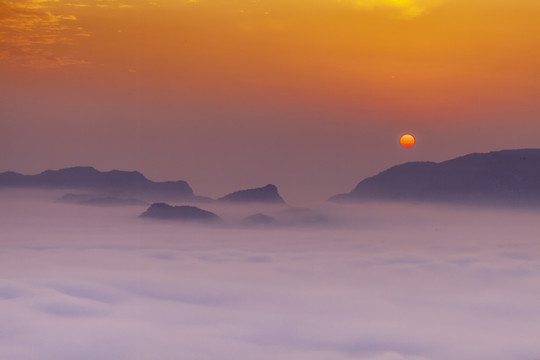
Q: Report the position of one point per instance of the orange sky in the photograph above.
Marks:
(311, 95)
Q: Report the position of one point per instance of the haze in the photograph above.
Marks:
(310, 96)
(387, 282)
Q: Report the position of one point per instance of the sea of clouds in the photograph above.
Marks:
(377, 281)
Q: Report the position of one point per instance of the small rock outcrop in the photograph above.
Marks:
(267, 194)
(164, 211)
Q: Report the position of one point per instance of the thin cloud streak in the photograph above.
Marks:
(34, 32)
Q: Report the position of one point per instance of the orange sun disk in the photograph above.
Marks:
(407, 140)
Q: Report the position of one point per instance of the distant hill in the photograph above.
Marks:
(266, 194)
(507, 176)
(164, 211)
(87, 199)
(110, 183)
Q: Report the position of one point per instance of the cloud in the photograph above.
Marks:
(31, 32)
(35, 32)
(86, 292)
(9, 292)
(67, 310)
(111, 286)
(406, 8)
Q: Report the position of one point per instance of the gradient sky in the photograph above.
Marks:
(227, 94)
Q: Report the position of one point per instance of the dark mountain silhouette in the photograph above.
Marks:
(87, 199)
(507, 176)
(164, 211)
(115, 182)
(267, 194)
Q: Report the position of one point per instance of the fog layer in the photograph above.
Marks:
(397, 282)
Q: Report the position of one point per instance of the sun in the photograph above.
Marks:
(407, 140)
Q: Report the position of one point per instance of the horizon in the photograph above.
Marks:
(310, 96)
(311, 201)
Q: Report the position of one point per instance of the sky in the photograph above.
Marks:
(228, 94)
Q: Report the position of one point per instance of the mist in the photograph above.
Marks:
(371, 281)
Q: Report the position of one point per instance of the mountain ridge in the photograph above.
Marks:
(117, 182)
(505, 176)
